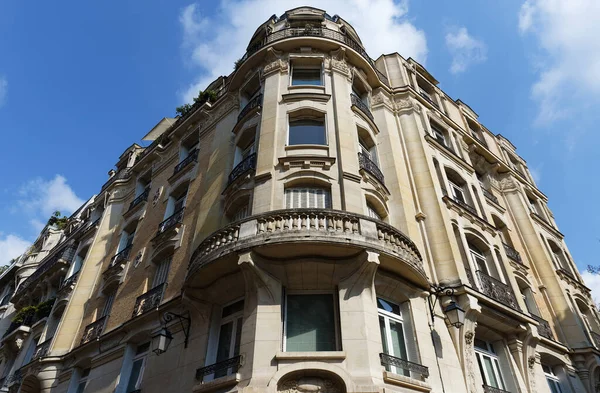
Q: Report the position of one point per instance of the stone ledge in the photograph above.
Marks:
(317, 355)
(401, 380)
(215, 384)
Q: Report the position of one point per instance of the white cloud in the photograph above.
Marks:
(536, 173)
(465, 49)
(213, 43)
(569, 70)
(3, 90)
(41, 196)
(11, 246)
(592, 281)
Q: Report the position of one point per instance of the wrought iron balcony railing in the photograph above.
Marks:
(27, 321)
(94, 330)
(41, 350)
(464, 205)
(365, 163)
(120, 257)
(220, 369)
(69, 281)
(149, 300)
(92, 225)
(171, 221)
(143, 197)
(254, 103)
(321, 32)
(497, 290)
(192, 157)
(544, 327)
(121, 175)
(389, 361)
(357, 102)
(488, 194)
(66, 255)
(247, 164)
(491, 389)
(512, 253)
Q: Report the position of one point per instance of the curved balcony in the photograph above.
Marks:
(357, 102)
(366, 164)
(247, 164)
(296, 232)
(318, 32)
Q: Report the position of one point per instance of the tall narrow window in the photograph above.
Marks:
(478, 259)
(439, 135)
(83, 380)
(143, 184)
(489, 367)
(307, 132)
(108, 302)
(372, 212)
(162, 272)
(367, 146)
(126, 240)
(230, 333)
(137, 370)
(457, 192)
(310, 323)
(552, 379)
(392, 333)
(176, 202)
(31, 350)
(307, 197)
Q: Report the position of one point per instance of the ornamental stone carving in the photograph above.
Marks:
(403, 104)
(276, 65)
(469, 337)
(138, 258)
(310, 385)
(156, 196)
(508, 184)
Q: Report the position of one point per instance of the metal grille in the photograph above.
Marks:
(357, 102)
(249, 163)
(192, 157)
(497, 290)
(149, 300)
(512, 253)
(173, 220)
(365, 163)
(389, 360)
(234, 364)
(93, 330)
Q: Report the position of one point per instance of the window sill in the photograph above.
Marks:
(307, 150)
(317, 355)
(317, 88)
(217, 384)
(401, 380)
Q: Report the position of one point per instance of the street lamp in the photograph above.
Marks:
(162, 339)
(454, 313)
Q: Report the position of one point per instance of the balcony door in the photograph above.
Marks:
(392, 333)
(230, 332)
(489, 367)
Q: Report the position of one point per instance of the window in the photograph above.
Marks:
(162, 272)
(307, 197)
(310, 323)
(487, 359)
(108, 302)
(478, 259)
(439, 135)
(230, 333)
(306, 75)
(188, 147)
(176, 202)
(142, 185)
(126, 240)
(137, 369)
(392, 333)
(552, 379)
(372, 212)
(457, 191)
(241, 213)
(307, 132)
(31, 350)
(367, 146)
(83, 381)
(77, 262)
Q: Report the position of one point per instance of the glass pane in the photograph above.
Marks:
(306, 76)
(238, 336)
(384, 343)
(554, 386)
(80, 387)
(224, 346)
(310, 324)
(388, 306)
(491, 375)
(134, 376)
(307, 132)
(398, 344)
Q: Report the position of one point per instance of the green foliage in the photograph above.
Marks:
(203, 96)
(58, 221)
(237, 64)
(24, 313)
(3, 268)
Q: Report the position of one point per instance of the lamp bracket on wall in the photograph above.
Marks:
(185, 322)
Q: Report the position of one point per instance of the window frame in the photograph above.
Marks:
(398, 318)
(301, 66)
(551, 378)
(143, 356)
(336, 316)
(109, 299)
(490, 353)
(436, 132)
(328, 203)
(162, 271)
(216, 336)
(292, 118)
(454, 189)
(83, 380)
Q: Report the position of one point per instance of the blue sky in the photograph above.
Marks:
(81, 81)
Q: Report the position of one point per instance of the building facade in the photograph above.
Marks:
(321, 222)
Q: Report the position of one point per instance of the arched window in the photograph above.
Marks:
(307, 127)
(372, 212)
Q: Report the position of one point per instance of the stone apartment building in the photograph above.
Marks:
(321, 222)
